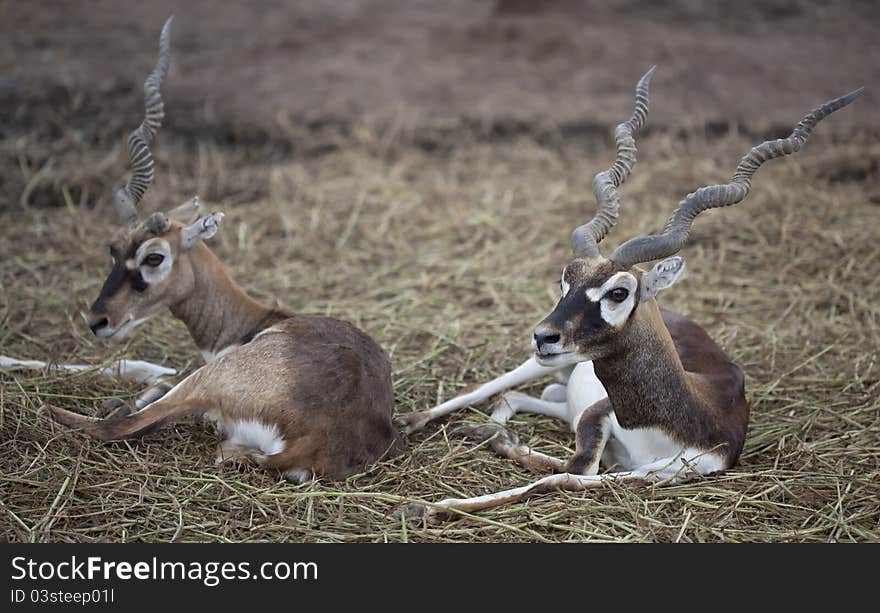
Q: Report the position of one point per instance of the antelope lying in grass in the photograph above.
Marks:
(304, 395)
(648, 393)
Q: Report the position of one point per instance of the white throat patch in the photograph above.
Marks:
(615, 313)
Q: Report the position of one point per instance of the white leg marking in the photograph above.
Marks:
(527, 371)
(674, 469)
(7, 363)
(513, 402)
(130, 370)
(533, 460)
(555, 392)
(152, 395)
(167, 394)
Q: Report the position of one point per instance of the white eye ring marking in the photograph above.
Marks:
(154, 274)
(615, 313)
(563, 285)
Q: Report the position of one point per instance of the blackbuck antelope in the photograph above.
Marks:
(648, 393)
(305, 395)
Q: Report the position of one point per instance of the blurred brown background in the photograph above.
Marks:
(249, 63)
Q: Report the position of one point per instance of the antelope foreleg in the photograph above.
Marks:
(138, 371)
(527, 371)
(671, 470)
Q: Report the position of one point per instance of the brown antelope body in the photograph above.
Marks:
(675, 404)
(305, 395)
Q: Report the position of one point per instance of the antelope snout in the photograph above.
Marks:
(546, 339)
(98, 323)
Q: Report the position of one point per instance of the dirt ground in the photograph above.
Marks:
(417, 168)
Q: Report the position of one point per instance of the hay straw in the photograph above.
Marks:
(448, 256)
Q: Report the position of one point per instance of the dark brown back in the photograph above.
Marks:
(718, 379)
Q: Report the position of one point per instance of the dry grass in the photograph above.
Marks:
(446, 246)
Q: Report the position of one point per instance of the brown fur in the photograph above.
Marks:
(216, 311)
(589, 437)
(668, 373)
(660, 369)
(199, 292)
(325, 384)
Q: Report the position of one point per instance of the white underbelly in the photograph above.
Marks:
(583, 390)
(631, 448)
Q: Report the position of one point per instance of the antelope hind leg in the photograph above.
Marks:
(508, 445)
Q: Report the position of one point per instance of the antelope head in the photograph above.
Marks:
(152, 265)
(603, 297)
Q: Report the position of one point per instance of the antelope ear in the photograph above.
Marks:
(662, 276)
(203, 229)
(187, 212)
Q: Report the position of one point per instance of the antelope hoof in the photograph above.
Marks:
(415, 513)
(412, 422)
(410, 512)
(115, 407)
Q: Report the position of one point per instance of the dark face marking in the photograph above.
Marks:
(577, 319)
(568, 311)
(136, 279)
(119, 276)
(135, 290)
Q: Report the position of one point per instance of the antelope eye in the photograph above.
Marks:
(153, 260)
(618, 294)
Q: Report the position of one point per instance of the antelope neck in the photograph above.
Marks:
(217, 312)
(645, 380)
